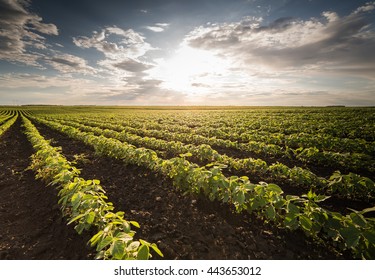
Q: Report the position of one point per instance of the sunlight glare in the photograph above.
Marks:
(190, 70)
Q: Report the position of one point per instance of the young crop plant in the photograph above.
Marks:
(204, 153)
(353, 232)
(5, 126)
(85, 204)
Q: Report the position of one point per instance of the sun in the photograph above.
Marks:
(190, 70)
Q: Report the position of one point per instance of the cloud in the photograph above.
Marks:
(67, 63)
(132, 65)
(123, 63)
(155, 28)
(199, 85)
(369, 6)
(19, 30)
(24, 80)
(45, 89)
(69, 90)
(330, 43)
(158, 27)
(115, 43)
(139, 91)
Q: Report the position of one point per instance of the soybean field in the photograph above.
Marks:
(86, 182)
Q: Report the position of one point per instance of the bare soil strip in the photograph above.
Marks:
(31, 224)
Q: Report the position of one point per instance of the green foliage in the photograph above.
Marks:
(85, 204)
(7, 123)
(352, 231)
(201, 150)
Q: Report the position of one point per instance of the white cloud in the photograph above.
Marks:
(158, 27)
(155, 28)
(317, 61)
(123, 65)
(290, 61)
(42, 89)
(370, 6)
(163, 24)
(331, 16)
(69, 90)
(24, 80)
(18, 29)
(128, 43)
(329, 43)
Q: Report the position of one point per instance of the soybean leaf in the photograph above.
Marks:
(76, 218)
(320, 198)
(156, 249)
(290, 221)
(96, 238)
(293, 209)
(118, 249)
(134, 223)
(126, 226)
(368, 210)
(240, 198)
(80, 227)
(76, 199)
(105, 242)
(275, 188)
(305, 222)
(270, 212)
(358, 219)
(334, 223)
(143, 252)
(90, 217)
(133, 246)
(351, 236)
(370, 236)
(124, 236)
(100, 255)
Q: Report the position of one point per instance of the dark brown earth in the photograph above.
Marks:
(31, 224)
(186, 227)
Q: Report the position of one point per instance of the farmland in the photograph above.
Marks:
(187, 182)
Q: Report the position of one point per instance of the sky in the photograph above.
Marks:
(173, 52)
